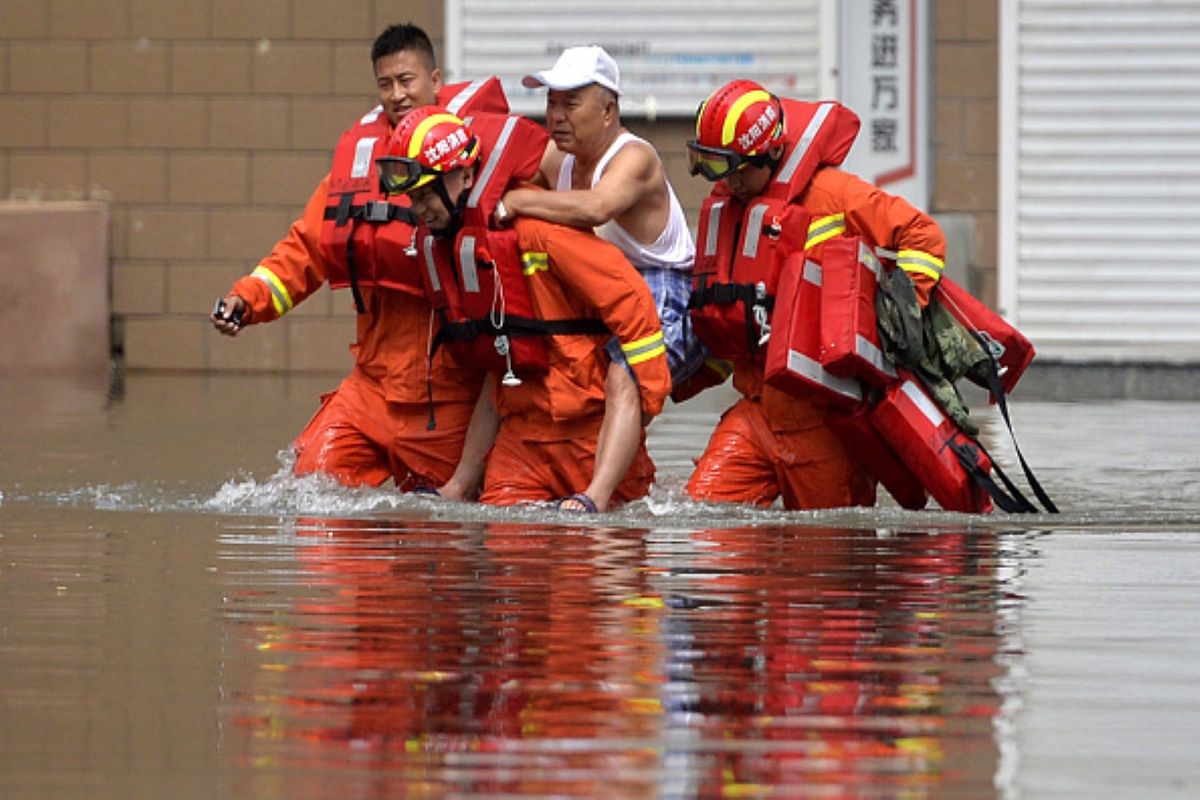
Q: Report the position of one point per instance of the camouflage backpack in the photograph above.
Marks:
(931, 343)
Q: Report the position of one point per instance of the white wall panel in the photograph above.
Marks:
(672, 53)
(1100, 177)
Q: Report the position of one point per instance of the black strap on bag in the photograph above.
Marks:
(1012, 501)
(997, 389)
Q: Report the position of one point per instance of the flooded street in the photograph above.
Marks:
(180, 617)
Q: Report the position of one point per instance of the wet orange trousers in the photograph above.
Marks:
(747, 462)
(521, 469)
(360, 439)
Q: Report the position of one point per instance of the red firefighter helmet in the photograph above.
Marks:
(738, 124)
(428, 143)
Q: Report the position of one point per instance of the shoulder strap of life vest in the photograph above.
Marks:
(816, 135)
(353, 169)
(485, 94)
(351, 175)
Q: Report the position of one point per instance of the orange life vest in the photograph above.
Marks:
(477, 282)
(793, 362)
(933, 447)
(849, 332)
(741, 247)
(368, 239)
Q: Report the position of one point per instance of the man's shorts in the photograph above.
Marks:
(685, 354)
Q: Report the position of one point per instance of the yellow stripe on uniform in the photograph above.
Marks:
(534, 262)
(921, 262)
(825, 228)
(279, 293)
(720, 366)
(644, 349)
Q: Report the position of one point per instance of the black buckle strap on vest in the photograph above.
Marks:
(374, 211)
(466, 330)
(352, 269)
(341, 215)
(724, 294)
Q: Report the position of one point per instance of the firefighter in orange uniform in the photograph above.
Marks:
(540, 437)
(375, 425)
(755, 146)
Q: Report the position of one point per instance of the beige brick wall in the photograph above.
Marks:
(966, 88)
(206, 124)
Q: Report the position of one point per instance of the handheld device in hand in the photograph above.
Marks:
(219, 311)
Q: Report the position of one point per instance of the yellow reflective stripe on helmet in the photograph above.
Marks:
(644, 349)
(729, 127)
(418, 136)
(921, 262)
(825, 228)
(279, 293)
(534, 262)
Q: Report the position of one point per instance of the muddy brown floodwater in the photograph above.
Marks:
(181, 617)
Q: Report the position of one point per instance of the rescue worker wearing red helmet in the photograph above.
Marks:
(374, 425)
(754, 146)
(538, 439)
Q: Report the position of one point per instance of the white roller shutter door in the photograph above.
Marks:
(1100, 177)
(672, 53)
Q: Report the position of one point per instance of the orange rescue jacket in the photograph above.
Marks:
(575, 275)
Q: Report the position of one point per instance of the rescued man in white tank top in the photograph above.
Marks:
(613, 182)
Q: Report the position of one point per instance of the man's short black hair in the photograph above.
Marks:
(406, 36)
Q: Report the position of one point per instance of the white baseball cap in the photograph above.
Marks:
(576, 67)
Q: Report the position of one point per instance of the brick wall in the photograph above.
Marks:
(966, 89)
(206, 124)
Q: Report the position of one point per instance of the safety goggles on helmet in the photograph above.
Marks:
(715, 163)
(401, 174)
(398, 175)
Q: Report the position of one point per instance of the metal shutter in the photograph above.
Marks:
(1100, 177)
(672, 53)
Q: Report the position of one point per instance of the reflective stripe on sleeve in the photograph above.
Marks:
(825, 228)
(921, 262)
(534, 262)
(279, 293)
(644, 349)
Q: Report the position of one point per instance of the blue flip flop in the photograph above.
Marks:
(589, 505)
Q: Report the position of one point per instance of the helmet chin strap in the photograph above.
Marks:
(454, 207)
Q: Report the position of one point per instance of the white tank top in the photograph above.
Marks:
(673, 249)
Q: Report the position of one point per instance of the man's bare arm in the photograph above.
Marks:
(631, 176)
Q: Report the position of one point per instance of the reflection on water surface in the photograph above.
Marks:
(508, 660)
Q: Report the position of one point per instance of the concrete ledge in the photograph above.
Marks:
(54, 292)
(1051, 380)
